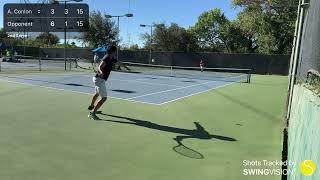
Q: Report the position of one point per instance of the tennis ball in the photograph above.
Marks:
(152, 60)
(308, 167)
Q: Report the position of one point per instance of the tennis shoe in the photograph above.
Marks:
(93, 116)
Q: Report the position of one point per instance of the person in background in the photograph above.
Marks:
(201, 65)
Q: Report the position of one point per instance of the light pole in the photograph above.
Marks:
(65, 29)
(24, 38)
(118, 17)
(150, 51)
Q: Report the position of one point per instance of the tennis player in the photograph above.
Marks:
(105, 67)
(201, 65)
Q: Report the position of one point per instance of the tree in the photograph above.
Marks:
(30, 42)
(4, 37)
(101, 30)
(47, 38)
(3, 34)
(235, 39)
(208, 30)
(168, 38)
(192, 42)
(9, 41)
(270, 23)
(214, 32)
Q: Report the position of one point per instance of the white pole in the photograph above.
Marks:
(295, 55)
(150, 55)
(65, 36)
(119, 37)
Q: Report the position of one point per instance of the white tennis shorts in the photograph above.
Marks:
(100, 86)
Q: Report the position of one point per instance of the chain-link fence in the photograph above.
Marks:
(303, 104)
(309, 55)
(259, 63)
(43, 58)
(23, 59)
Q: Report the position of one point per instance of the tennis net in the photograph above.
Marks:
(214, 74)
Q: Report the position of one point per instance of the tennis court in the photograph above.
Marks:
(147, 86)
(155, 126)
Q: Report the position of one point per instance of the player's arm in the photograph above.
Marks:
(101, 66)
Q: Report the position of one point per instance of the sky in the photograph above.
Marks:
(183, 12)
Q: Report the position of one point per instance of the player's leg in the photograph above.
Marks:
(96, 95)
(93, 101)
(102, 92)
(99, 104)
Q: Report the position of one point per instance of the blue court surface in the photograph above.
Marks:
(156, 90)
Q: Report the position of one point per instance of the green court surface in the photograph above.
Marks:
(46, 135)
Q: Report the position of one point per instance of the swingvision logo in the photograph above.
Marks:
(308, 167)
(267, 168)
(275, 168)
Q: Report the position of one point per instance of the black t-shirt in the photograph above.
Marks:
(106, 70)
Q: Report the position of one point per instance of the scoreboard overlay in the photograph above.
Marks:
(73, 17)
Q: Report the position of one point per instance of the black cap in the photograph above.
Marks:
(111, 48)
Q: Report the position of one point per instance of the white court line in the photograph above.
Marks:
(197, 93)
(159, 92)
(169, 90)
(75, 91)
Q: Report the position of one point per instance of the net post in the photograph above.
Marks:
(171, 71)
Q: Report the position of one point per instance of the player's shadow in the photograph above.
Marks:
(198, 133)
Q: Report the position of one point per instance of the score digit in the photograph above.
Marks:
(52, 23)
(66, 11)
(80, 11)
(52, 11)
(80, 23)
